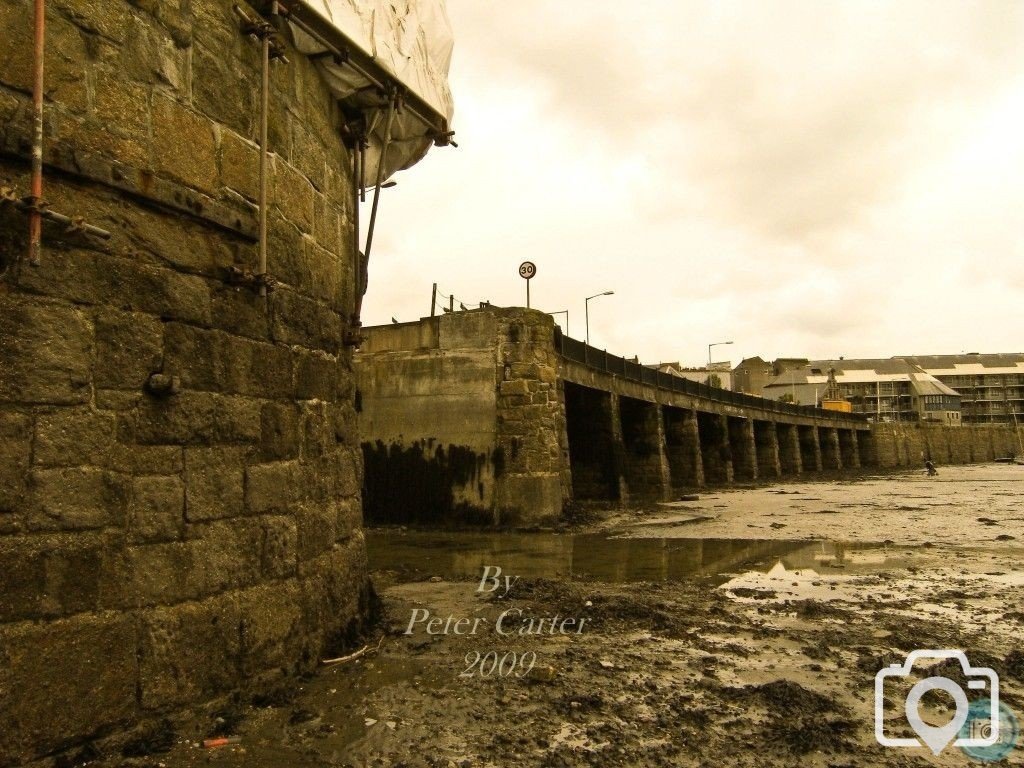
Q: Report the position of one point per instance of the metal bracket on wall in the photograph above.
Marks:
(260, 282)
(73, 225)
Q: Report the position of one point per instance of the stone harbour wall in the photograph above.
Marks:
(162, 548)
(909, 445)
(462, 420)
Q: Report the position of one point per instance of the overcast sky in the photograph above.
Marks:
(803, 178)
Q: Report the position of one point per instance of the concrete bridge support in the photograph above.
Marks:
(831, 458)
(744, 448)
(766, 440)
(682, 448)
(592, 424)
(848, 451)
(810, 449)
(788, 437)
(645, 466)
(715, 449)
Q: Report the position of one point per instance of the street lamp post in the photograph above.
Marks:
(563, 312)
(586, 309)
(715, 344)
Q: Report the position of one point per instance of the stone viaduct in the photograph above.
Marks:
(492, 416)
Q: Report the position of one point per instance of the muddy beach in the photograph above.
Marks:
(744, 628)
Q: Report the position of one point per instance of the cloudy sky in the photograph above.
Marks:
(803, 178)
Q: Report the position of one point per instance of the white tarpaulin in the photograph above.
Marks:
(410, 40)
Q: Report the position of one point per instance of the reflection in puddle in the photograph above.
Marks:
(596, 556)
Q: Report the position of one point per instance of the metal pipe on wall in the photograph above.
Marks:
(264, 118)
(35, 216)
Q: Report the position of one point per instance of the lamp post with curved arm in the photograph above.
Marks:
(586, 309)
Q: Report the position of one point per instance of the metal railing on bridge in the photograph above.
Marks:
(600, 360)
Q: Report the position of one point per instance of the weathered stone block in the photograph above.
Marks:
(191, 418)
(63, 681)
(308, 155)
(292, 194)
(215, 482)
(316, 531)
(241, 312)
(317, 376)
(188, 652)
(215, 91)
(72, 499)
(184, 146)
(280, 546)
(50, 575)
(280, 424)
(128, 348)
(122, 106)
(330, 231)
(221, 556)
(272, 487)
(63, 57)
(327, 275)
(72, 437)
(348, 517)
(45, 352)
(273, 633)
(121, 282)
(157, 508)
(304, 322)
(190, 353)
(317, 430)
(239, 164)
(15, 452)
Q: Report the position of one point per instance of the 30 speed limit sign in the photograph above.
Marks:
(526, 271)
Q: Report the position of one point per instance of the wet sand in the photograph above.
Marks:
(748, 639)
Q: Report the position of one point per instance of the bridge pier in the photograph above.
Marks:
(831, 458)
(766, 440)
(716, 453)
(810, 449)
(788, 438)
(645, 467)
(682, 448)
(744, 447)
(592, 424)
(867, 449)
(848, 452)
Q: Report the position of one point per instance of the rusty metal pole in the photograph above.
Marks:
(264, 109)
(35, 216)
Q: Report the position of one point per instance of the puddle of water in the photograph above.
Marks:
(615, 560)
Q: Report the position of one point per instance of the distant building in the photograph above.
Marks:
(885, 390)
(991, 386)
(753, 374)
(715, 374)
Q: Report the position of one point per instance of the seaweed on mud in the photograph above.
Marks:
(154, 739)
(805, 734)
(756, 594)
(227, 719)
(815, 609)
(782, 697)
(1013, 664)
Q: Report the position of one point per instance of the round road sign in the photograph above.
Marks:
(527, 270)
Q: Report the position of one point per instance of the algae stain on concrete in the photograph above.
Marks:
(427, 483)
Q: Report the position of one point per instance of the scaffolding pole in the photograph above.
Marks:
(35, 218)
